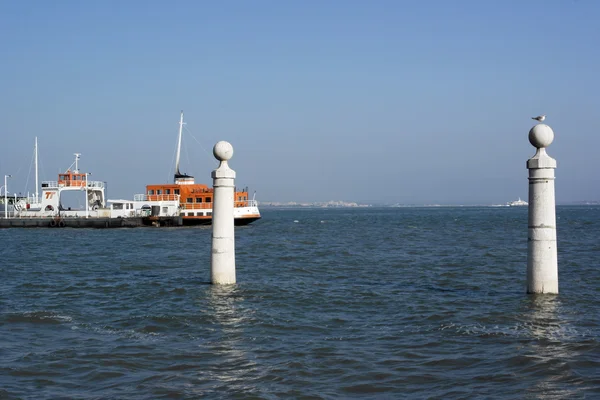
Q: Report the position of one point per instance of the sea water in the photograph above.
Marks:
(330, 303)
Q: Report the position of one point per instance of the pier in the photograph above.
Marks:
(99, 223)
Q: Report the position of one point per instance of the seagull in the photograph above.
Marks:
(539, 117)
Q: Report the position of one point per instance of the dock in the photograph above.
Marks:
(99, 223)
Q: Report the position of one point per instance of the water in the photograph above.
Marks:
(344, 303)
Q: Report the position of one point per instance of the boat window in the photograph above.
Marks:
(190, 214)
(200, 214)
(117, 206)
(151, 191)
(209, 214)
(198, 199)
(189, 200)
(165, 210)
(167, 191)
(208, 199)
(176, 191)
(158, 191)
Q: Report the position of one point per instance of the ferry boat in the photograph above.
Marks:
(195, 199)
(49, 205)
(517, 203)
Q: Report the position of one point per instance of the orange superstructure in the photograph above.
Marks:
(195, 200)
(72, 179)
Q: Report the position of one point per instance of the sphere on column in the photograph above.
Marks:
(541, 136)
(223, 151)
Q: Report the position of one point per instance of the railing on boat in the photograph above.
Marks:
(49, 184)
(156, 197)
(78, 184)
(246, 203)
(204, 206)
(188, 206)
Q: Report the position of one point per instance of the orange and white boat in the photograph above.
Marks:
(195, 199)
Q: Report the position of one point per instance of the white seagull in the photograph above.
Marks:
(539, 117)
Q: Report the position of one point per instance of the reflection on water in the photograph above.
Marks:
(541, 316)
(549, 348)
(233, 369)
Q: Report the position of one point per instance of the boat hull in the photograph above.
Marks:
(102, 222)
(195, 221)
(245, 221)
(46, 222)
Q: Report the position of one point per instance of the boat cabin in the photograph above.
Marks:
(72, 179)
(192, 196)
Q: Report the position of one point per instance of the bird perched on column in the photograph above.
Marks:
(539, 117)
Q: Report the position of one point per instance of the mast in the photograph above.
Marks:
(77, 155)
(177, 173)
(36, 173)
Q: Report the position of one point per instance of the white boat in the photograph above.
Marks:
(10, 204)
(517, 203)
(50, 203)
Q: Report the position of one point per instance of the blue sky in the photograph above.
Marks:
(370, 101)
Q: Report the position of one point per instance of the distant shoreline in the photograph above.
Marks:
(341, 204)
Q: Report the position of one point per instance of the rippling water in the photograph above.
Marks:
(386, 303)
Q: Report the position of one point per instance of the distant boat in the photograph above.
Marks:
(517, 203)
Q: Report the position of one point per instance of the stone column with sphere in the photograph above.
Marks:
(222, 259)
(542, 261)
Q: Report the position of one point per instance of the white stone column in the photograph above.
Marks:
(222, 261)
(542, 261)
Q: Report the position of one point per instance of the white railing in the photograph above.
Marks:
(95, 184)
(81, 184)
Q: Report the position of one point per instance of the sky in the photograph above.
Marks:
(411, 102)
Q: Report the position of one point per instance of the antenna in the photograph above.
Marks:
(77, 155)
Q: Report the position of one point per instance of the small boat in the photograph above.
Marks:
(195, 199)
(10, 204)
(517, 203)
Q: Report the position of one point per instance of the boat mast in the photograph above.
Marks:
(177, 173)
(36, 173)
(77, 155)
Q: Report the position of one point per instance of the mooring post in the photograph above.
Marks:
(542, 260)
(223, 235)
